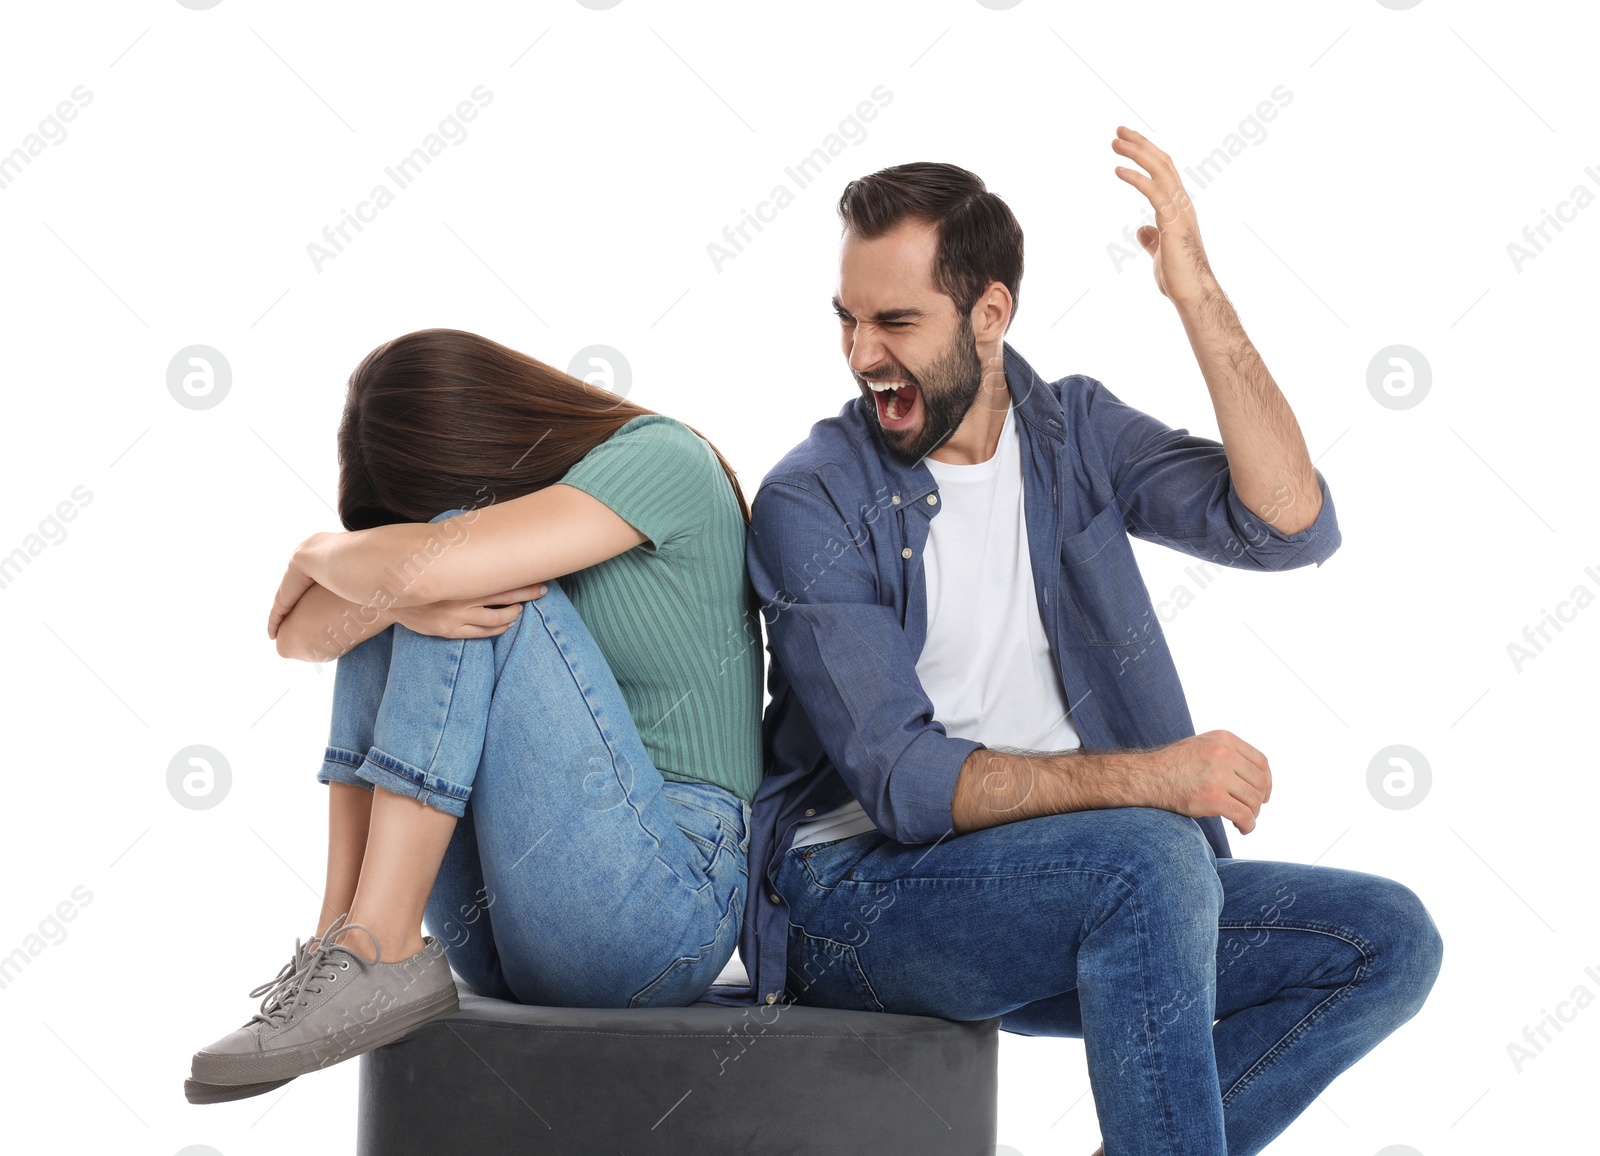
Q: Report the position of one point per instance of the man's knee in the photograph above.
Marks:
(1165, 851)
(1160, 863)
(1408, 949)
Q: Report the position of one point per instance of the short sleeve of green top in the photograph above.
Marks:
(672, 615)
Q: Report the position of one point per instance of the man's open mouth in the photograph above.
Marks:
(896, 402)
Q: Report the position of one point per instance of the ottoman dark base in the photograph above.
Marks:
(501, 1077)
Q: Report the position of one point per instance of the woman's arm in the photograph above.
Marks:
(535, 538)
(323, 626)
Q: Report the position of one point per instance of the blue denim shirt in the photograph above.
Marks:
(835, 554)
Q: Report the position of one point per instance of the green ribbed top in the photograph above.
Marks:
(671, 615)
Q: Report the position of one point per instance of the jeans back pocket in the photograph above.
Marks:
(713, 820)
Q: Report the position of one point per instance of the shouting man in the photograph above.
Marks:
(984, 794)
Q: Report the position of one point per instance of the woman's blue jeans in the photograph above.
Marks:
(576, 876)
(1216, 998)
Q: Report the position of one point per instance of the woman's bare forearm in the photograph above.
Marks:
(526, 540)
(322, 626)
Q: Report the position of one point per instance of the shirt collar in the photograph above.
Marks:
(1031, 396)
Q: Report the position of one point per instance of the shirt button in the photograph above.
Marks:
(895, 499)
(906, 553)
(810, 811)
(933, 499)
(772, 997)
(774, 897)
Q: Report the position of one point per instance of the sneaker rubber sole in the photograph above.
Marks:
(198, 1093)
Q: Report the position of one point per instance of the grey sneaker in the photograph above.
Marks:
(338, 1005)
(273, 993)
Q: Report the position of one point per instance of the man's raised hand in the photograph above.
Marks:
(1182, 272)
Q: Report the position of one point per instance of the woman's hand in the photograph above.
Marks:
(468, 617)
(359, 566)
(296, 581)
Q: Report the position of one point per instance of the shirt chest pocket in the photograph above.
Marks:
(1104, 591)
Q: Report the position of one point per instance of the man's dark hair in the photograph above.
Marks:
(979, 238)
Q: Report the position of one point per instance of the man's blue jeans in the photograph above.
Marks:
(1122, 927)
(576, 876)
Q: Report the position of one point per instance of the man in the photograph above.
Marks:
(984, 793)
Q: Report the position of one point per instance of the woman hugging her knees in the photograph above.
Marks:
(546, 711)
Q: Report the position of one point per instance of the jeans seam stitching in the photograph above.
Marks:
(600, 730)
(686, 803)
(1270, 1056)
(716, 934)
(854, 961)
(1158, 1086)
(455, 677)
(417, 778)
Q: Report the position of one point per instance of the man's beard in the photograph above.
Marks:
(946, 388)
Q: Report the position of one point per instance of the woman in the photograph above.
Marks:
(556, 775)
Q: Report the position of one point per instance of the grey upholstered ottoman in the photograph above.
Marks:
(501, 1077)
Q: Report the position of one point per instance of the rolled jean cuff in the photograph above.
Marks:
(339, 766)
(386, 771)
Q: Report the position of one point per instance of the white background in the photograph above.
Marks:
(1377, 210)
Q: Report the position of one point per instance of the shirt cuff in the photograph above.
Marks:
(1272, 549)
(923, 785)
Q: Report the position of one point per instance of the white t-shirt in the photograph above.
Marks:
(986, 664)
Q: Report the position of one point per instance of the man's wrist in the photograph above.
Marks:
(1200, 300)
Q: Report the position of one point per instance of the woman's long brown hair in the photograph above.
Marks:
(442, 419)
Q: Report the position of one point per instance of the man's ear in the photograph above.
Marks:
(991, 313)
